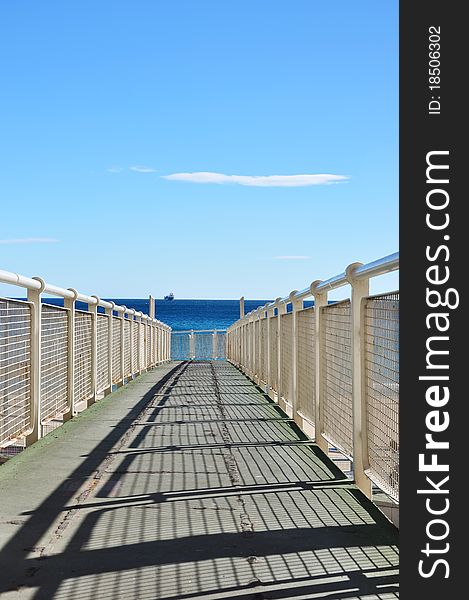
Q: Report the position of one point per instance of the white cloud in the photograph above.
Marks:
(258, 180)
(294, 257)
(114, 169)
(142, 169)
(29, 241)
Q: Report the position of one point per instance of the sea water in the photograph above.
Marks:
(184, 314)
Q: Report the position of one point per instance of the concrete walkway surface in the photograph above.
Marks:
(188, 483)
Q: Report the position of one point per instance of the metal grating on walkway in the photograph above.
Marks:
(205, 490)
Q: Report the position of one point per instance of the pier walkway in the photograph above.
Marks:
(189, 482)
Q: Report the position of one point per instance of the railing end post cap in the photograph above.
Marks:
(313, 287)
(42, 282)
(74, 292)
(350, 271)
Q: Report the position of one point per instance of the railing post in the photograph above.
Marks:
(138, 318)
(246, 356)
(260, 315)
(281, 310)
(69, 303)
(243, 341)
(241, 307)
(191, 345)
(34, 296)
(147, 354)
(148, 343)
(108, 312)
(257, 348)
(320, 300)
(270, 313)
(248, 345)
(360, 290)
(130, 315)
(241, 346)
(151, 333)
(252, 346)
(122, 344)
(145, 343)
(93, 309)
(296, 306)
(155, 342)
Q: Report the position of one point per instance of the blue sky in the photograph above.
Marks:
(103, 100)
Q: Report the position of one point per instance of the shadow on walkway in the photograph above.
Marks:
(202, 489)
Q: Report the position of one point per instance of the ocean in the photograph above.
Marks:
(194, 314)
(185, 314)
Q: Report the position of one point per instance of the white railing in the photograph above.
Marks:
(55, 360)
(333, 367)
(201, 344)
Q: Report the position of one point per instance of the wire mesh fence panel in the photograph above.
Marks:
(127, 355)
(306, 323)
(382, 390)
(103, 378)
(15, 370)
(198, 345)
(134, 325)
(116, 350)
(274, 353)
(141, 345)
(180, 346)
(241, 344)
(256, 348)
(155, 344)
(286, 357)
(151, 344)
(147, 345)
(263, 350)
(159, 341)
(242, 347)
(232, 349)
(220, 345)
(82, 363)
(337, 376)
(144, 345)
(245, 351)
(203, 343)
(54, 361)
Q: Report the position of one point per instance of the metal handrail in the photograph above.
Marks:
(38, 284)
(381, 266)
